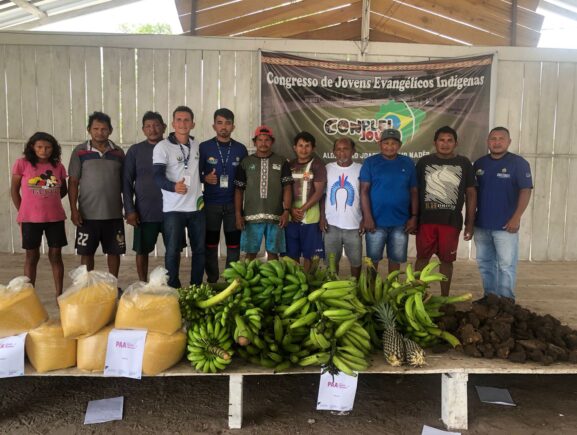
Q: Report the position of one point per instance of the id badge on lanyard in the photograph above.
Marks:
(223, 179)
(185, 159)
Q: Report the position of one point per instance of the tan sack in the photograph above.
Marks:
(88, 305)
(91, 351)
(162, 351)
(20, 308)
(47, 349)
(153, 306)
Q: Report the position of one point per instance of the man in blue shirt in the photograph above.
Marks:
(389, 201)
(142, 197)
(219, 159)
(504, 186)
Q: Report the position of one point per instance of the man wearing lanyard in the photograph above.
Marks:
(175, 162)
(219, 158)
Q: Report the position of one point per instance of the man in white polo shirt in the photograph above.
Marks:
(175, 161)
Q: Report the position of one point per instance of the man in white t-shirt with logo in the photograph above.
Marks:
(341, 216)
(175, 161)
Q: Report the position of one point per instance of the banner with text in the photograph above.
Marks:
(359, 100)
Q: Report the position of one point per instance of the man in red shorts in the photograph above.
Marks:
(445, 180)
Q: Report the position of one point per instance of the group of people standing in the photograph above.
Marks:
(302, 208)
(387, 198)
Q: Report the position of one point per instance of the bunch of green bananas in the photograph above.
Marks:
(374, 289)
(323, 328)
(246, 325)
(337, 330)
(271, 283)
(196, 300)
(279, 316)
(229, 311)
(317, 275)
(187, 298)
(272, 286)
(416, 308)
(278, 346)
(282, 341)
(301, 326)
(416, 312)
(209, 346)
(224, 313)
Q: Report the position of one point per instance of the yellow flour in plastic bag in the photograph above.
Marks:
(89, 304)
(162, 351)
(91, 351)
(152, 306)
(154, 312)
(47, 349)
(20, 311)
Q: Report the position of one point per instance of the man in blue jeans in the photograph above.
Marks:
(504, 186)
(389, 201)
(176, 172)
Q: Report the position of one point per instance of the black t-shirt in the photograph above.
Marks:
(442, 184)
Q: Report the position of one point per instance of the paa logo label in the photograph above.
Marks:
(125, 345)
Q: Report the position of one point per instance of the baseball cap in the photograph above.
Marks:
(391, 133)
(263, 129)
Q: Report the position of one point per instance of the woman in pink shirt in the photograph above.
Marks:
(38, 185)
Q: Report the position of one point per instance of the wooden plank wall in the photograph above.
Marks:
(54, 87)
(536, 100)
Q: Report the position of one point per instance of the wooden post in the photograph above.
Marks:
(454, 400)
(365, 27)
(514, 23)
(193, 9)
(235, 402)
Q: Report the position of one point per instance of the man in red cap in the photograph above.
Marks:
(263, 197)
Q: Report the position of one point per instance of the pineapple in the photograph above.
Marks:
(415, 353)
(393, 346)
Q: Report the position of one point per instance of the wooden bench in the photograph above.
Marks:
(453, 367)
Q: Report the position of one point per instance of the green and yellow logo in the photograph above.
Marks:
(402, 117)
(393, 114)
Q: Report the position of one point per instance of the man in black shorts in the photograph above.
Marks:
(95, 187)
(142, 197)
(219, 158)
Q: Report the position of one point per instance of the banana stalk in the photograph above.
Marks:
(220, 297)
(443, 300)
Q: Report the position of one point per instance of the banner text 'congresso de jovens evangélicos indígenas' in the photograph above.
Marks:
(332, 99)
